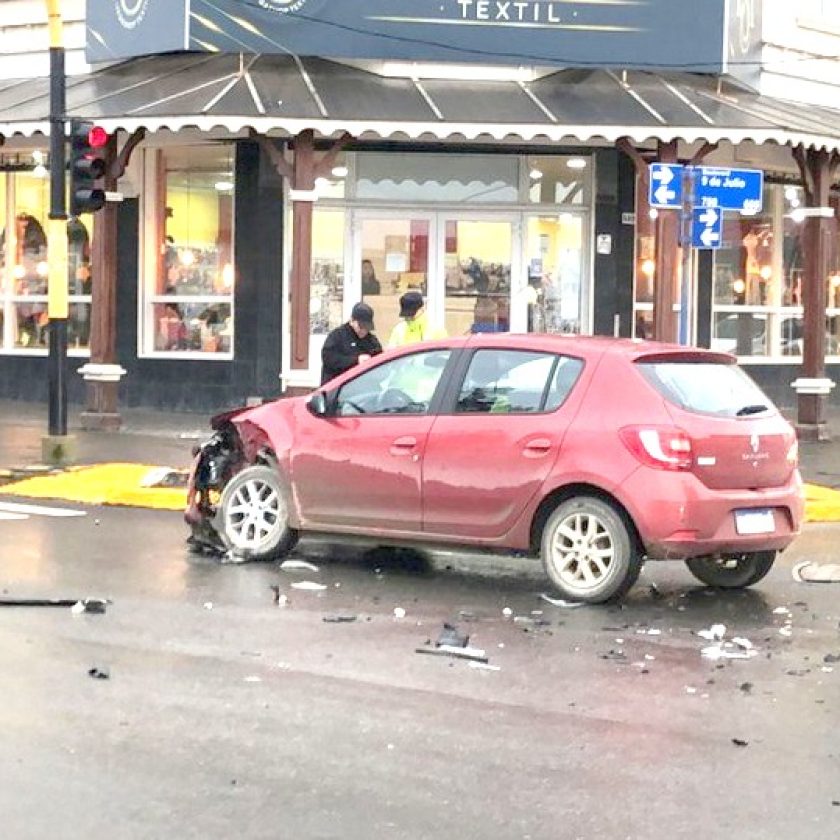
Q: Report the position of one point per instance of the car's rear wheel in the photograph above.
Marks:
(588, 551)
(253, 515)
(734, 571)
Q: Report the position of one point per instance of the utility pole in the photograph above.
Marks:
(57, 446)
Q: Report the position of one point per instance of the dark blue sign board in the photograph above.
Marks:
(706, 228)
(563, 33)
(666, 186)
(729, 189)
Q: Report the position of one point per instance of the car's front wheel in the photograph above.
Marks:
(253, 515)
(588, 551)
(733, 572)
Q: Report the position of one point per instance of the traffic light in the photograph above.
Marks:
(87, 166)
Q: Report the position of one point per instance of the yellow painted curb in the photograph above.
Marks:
(103, 484)
(822, 504)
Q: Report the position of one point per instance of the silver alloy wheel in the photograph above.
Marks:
(582, 552)
(255, 515)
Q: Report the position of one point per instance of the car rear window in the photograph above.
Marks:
(706, 387)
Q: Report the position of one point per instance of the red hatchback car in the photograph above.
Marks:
(595, 454)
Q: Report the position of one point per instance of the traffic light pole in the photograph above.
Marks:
(57, 447)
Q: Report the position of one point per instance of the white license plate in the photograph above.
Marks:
(754, 521)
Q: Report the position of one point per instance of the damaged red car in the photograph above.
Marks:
(591, 454)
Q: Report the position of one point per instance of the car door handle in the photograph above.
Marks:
(403, 445)
(537, 446)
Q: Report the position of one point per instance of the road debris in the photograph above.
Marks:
(739, 742)
(208, 605)
(280, 597)
(507, 612)
(99, 673)
(484, 666)
(451, 636)
(531, 621)
(308, 586)
(560, 602)
(298, 566)
(339, 619)
(746, 687)
(96, 606)
(781, 611)
(615, 655)
(476, 654)
(810, 572)
(714, 634)
(399, 612)
(253, 679)
(831, 658)
(165, 477)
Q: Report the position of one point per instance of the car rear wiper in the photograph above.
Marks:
(751, 409)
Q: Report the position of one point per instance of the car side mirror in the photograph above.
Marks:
(318, 404)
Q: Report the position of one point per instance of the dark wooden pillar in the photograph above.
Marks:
(301, 173)
(817, 168)
(102, 374)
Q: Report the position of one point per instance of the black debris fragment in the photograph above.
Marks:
(739, 743)
(99, 673)
(451, 636)
(746, 687)
(615, 655)
(90, 605)
(339, 619)
(830, 658)
(474, 654)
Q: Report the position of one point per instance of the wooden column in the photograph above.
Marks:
(102, 373)
(301, 172)
(667, 232)
(818, 168)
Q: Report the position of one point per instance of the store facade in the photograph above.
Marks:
(505, 200)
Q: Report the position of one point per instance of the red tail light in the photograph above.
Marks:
(661, 447)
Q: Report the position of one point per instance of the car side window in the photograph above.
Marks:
(402, 386)
(566, 374)
(506, 382)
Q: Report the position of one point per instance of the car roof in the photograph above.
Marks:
(590, 346)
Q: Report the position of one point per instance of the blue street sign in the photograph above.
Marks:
(665, 190)
(728, 189)
(706, 227)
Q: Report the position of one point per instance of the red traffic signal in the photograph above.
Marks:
(86, 166)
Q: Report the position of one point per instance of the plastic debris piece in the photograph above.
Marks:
(308, 586)
(507, 612)
(530, 621)
(399, 612)
(739, 742)
(298, 566)
(339, 619)
(746, 644)
(560, 602)
(650, 657)
(781, 611)
(715, 633)
(208, 605)
(690, 689)
(616, 655)
(165, 477)
(99, 673)
(810, 572)
(253, 679)
(458, 652)
(728, 650)
(786, 631)
(484, 666)
(452, 636)
(280, 597)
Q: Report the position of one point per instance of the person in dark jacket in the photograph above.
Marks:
(350, 343)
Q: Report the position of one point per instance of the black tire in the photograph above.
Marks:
(733, 572)
(252, 518)
(588, 551)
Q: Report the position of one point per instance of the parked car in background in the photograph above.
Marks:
(593, 454)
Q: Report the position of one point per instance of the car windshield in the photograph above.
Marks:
(707, 387)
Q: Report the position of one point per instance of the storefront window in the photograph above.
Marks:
(559, 179)
(327, 276)
(470, 179)
(24, 206)
(188, 260)
(555, 268)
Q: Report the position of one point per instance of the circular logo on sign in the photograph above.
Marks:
(130, 13)
(283, 6)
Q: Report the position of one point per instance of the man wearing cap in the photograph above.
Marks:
(414, 324)
(350, 343)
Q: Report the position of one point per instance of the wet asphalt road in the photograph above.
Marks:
(226, 716)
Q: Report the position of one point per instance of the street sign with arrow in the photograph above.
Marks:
(706, 228)
(666, 187)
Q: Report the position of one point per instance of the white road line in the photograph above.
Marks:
(8, 517)
(38, 510)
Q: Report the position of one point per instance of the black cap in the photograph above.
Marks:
(362, 314)
(410, 304)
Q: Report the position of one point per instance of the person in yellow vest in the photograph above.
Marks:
(413, 325)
